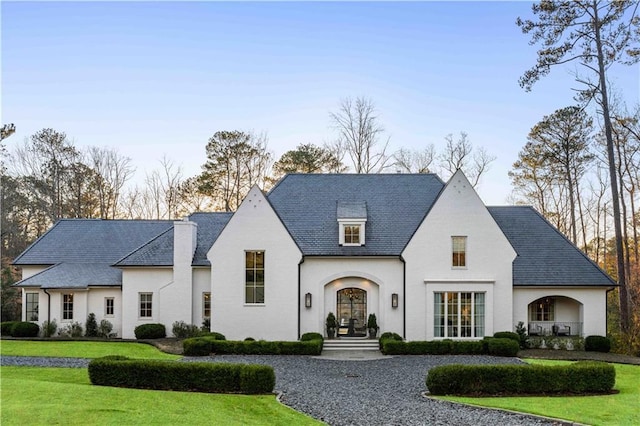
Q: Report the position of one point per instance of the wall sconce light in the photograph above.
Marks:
(394, 300)
(307, 300)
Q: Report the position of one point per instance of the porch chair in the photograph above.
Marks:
(561, 330)
(535, 330)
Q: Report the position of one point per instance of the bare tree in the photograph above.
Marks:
(113, 171)
(410, 161)
(460, 155)
(360, 133)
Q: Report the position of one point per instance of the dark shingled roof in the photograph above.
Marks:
(90, 241)
(74, 275)
(159, 251)
(545, 256)
(395, 206)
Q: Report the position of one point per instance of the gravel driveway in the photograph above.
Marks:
(374, 392)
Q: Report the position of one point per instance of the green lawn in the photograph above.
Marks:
(39, 396)
(618, 409)
(77, 349)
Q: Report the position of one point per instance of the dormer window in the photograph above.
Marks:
(352, 217)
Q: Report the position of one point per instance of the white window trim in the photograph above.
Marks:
(264, 283)
(63, 319)
(140, 317)
(204, 293)
(466, 252)
(342, 223)
(445, 313)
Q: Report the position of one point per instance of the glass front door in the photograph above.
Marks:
(352, 312)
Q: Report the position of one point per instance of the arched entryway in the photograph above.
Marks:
(351, 309)
(555, 315)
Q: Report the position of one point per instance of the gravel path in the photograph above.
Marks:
(378, 392)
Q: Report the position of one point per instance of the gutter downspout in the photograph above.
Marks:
(404, 297)
(48, 305)
(299, 295)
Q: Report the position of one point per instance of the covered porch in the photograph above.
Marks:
(555, 316)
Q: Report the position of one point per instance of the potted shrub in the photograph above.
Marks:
(331, 325)
(372, 325)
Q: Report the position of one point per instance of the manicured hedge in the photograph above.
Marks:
(597, 344)
(489, 345)
(123, 372)
(582, 377)
(5, 327)
(311, 336)
(25, 329)
(150, 331)
(507, 335)
(389, 336)
(203, 346)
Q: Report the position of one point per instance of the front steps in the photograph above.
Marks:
(351, 344)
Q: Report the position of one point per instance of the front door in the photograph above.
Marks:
(352, 312)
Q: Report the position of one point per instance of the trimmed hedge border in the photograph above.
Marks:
(203, 346)
(583, 377)
(489, 345)
(119, 371)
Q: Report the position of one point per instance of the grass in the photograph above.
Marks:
(617, 409)
(73, 349)
(35, 395)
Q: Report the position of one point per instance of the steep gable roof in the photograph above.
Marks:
(159, 251)
(545, 256)
(395, 205)
(90, 241)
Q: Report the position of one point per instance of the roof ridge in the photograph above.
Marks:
(143, 245)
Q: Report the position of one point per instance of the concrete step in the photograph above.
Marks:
(344, 344)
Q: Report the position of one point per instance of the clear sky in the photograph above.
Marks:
(154, 78)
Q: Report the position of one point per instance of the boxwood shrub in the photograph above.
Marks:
(387, 335)
(311, 336)
(203, 346)
(501, 347)
(150, 331)
(597, 344)
(6, 326)
(507, 335)
(121, 371)
(582, 377)
(25, 329)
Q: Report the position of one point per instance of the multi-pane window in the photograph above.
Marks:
(254, 277)
(459, 245)
(32, 306)
(352, 234)
(108, 306)
(458, 314)
(542, 310)
(206, 305)
(146, 305)
(67, 306)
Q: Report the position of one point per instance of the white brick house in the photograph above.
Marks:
(429, 259)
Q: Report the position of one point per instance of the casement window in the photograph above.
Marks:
(542, 310)
(32, 306)
(206, 305)
(458, 314)
(108, 306)
(352, 235)
(67, 306)
(459, 249)
(146, 305)
(254, 277)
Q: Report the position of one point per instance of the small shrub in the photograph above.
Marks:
(214, 334)
(5, 327)
(150, 331)
(521, 331)
(500, 347)
(49, 328)
(249, 339)
(91, 326)
(25, 329)
(387, 335)
(507, 335)
(71, 330)
(597, 344)
(311, 336)
(206, 325)
(183, 330)
(105, 328)
(193, 376)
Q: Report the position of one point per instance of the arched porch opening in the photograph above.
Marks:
(352, 299)
(555, 316)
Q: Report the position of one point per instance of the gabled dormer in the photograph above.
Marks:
(352, 218)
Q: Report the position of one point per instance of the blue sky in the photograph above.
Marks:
(154, 78)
